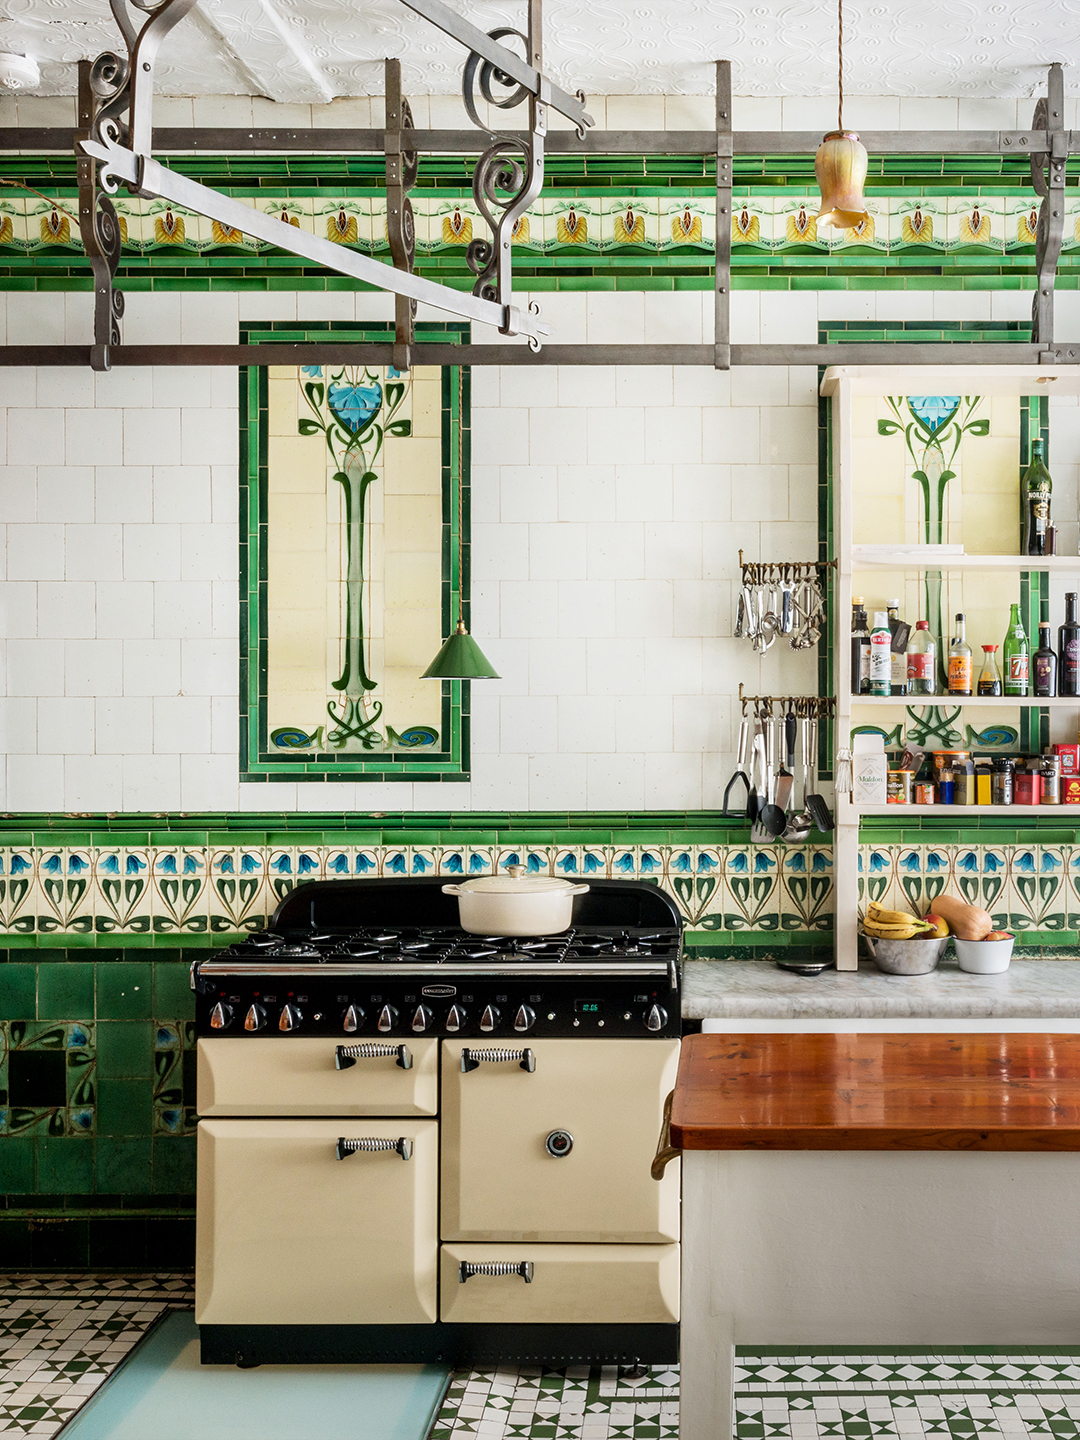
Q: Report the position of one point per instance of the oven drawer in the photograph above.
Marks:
(289, 1234)
(570, 1284)
(297, 1075)
(508, 1172)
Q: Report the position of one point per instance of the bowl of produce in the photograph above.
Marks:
(989, 956)
(901, 943)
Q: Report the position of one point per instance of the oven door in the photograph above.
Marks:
(288, 1233)
(298, 1075)
(561, 1152)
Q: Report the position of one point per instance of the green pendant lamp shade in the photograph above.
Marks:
(460, 659)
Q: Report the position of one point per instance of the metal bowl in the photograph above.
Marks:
(905, 957)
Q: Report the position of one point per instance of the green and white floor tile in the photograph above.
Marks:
(61, 1336)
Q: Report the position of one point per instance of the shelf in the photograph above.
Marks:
(907, 560)
(962, 811)
(999, 702)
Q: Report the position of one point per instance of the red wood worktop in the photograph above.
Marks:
(878, 1092)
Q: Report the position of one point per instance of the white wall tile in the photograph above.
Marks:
(673, 782)
(500, 781)
(18, 725)
(730, 436)
(182, 725)
(701, 493)
(224, 739)
(35, 667)
(93, 437)
(65, 611)
(557, 436)
(125, 610)
(208, 668)
(94, 782)
(130, 386)
(788, 435)
(35, 437)
(34, 319)
(66, 492)
(615, 317)
(501, 552)
(557, 552)
(615, 436)
(151, 667)
(152, 319)
(93, 552)
(701, 607)
(643, 724)
(528, 493)
(528, 724)
(616, 667)
(615, 551)
(557, 666)
(92, 667)
(209, 319)
(586, 723)
(528, 608)
(225, 609)
(152, 782)
(586, 492)
(645, 385)
(615, 782)
(180, 386)
(35, 552)
(209, 780)
(557, 782)
(673, 551)
(150, 436)
(183, 609)
(124, 724)
(675, 317)
(643, 608)
(66, 727)
(18, 609)
(500, 437)
(151, 552)
(519, 386)
(35, 782)
(208, 437)
(762, 491)
(208, 552)
(759, 385)
(123, 493)
(673, 666)
(587, 608)
(18, 494)
(789, 317)
(182, 494)
(584, 386)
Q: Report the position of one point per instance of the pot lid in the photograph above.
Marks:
(516, 882)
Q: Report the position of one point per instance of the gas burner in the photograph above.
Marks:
(544, 943)
(299, 952)
(261, 940)
(474, 952)
(417, 951)
(352, 951)
(442, 936)
(423, 945)
(380, 939)
(587, 945)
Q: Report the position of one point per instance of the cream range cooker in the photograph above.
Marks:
(419, 1144)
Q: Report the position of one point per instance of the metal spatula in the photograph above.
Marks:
(815, 803)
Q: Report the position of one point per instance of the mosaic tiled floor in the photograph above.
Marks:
(61, 1335)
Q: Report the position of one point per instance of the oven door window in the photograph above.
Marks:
(562, 1152)
(289, 1234)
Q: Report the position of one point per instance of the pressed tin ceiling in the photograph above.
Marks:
(311, 50)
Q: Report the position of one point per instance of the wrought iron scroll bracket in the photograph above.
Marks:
(504, 185)
(722, 286)
(1048, 177)
(402, 164)
(101, 88)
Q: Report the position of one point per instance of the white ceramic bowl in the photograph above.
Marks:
(984, 957)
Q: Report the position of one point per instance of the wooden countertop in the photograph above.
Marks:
(878, 1092)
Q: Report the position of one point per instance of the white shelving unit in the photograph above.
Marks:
(842, 385)
(944, 702)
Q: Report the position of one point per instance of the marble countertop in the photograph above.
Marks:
(1029, 989)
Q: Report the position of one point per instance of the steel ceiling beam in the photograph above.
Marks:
(337, 352)
(234, 140)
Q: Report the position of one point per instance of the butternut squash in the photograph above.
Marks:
(967, 922)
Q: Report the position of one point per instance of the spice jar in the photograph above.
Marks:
(946, 787)
(1050, 774)
(1027, 786)
(1003, 780)
(963, 781)
(984, 790)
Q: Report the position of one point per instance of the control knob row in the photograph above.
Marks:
(457, 1018)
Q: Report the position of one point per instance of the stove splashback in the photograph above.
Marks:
(419, 900)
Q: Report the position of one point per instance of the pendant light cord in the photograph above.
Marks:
(460, 502)
(840, 62)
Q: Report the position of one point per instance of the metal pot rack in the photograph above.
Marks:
(113, 147)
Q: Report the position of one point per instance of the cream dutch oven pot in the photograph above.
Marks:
(515, 904)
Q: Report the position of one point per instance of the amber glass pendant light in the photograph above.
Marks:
(460, 657)
(841, 161)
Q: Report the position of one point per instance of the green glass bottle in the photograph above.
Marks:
(1036, 487)
(1014, 655)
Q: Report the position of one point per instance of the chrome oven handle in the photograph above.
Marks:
(498, 1055)
(524, 1268)
(369, 1144)
(346, 1056)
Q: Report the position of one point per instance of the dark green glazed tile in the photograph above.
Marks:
(174, 998)
(65, 1166)
(66, 991)
(123, 1107)
(18, 985)
(16, 1166)
(123, 1166)
(125, 1049)
(174, 1164)
(124, 990)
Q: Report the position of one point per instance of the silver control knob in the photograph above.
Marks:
(655, 1018)
(255, 1018)
(489, 1019)
(456, 1019)
(220, 1016)
(289, 1019)
(354, 1018)
(525, 1019)
(421, 1019)
(387, 1018)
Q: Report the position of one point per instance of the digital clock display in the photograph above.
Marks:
(589, 1007)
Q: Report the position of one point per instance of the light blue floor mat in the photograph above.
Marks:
(163, 1393)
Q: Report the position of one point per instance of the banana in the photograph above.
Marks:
(891, 917)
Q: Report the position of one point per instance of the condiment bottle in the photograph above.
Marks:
(1037, 490)
(1015, 656)
(989, 679)
(1044, 664)
(960, 661)
(922, 661)
(963, 771)
(1050, 773)
(860, 648)
(1069, 650)
(881, 655)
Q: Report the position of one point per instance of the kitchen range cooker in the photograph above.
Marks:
(418, 1143)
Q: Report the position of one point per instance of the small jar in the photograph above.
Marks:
(946, 788)
(1027, 786)
(964, 781)
(1050, 774)
(899, 787)
(924, 792)
(984, 786)
(1002, 780)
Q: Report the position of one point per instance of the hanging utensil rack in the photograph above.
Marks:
(782, 597)
(805, 707)
(780, 572)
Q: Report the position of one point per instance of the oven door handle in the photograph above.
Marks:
(346, 1056)
(498, 1055)
(665, 1151)
(468, 1268)
(370, 1144)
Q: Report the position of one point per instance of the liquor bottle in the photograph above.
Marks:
(1037, 486)
(989, 679)
(860, 648)
(1044, 663)
(922, 661)
(1069, 650)
(899, 632)
(960, 661)
(1015, 655)
(881, 655)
